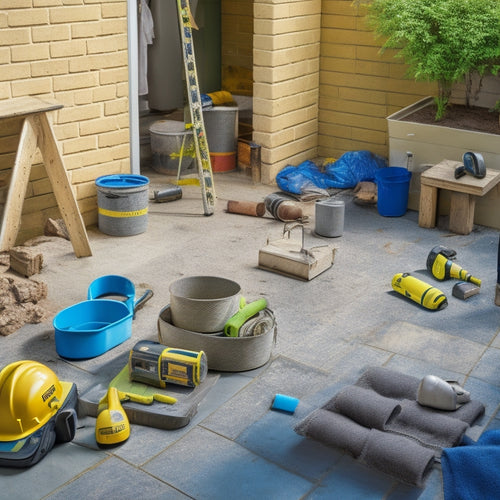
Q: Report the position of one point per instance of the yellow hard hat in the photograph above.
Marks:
(30, 395)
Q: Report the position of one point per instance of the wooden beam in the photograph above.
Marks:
(61, 186)
(11, 219)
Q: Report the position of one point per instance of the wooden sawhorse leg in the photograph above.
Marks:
(37, 132)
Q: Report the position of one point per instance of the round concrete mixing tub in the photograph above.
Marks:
(227, 354)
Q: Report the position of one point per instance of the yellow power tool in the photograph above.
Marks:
(420, 292)
(440, 265)
(112, 425)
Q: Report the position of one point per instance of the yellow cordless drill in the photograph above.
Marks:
(440, 265)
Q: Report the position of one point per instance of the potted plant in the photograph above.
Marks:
(443, 41)
(449, 42)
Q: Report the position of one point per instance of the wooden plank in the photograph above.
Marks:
(442, 176)
(11, 219)
(462, 207)
(428, 206)
(23, 106)
(62, 187)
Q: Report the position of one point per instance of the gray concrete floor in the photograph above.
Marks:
(330, 329)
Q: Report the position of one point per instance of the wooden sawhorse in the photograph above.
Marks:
(463, 195)
(36, 133)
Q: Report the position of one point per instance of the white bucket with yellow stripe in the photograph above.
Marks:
(122, 204)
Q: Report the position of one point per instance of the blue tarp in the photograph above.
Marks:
(352, 167)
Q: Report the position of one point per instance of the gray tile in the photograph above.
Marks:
(351, 480)
(220, 468)
(114, 478)
(146, 442)
(61, 464)
(282, 376)
(274, 439)
(433, 346)
(488, 367)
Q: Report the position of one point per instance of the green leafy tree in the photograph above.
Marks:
(446, 41)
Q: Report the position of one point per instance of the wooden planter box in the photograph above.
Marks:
(430, 144)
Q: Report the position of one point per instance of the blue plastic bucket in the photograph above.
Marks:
(393, 186)
(92, 327)
(122, 202)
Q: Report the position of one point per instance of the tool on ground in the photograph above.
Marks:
(473, 164)
(441, 394)
(196, 108)
(290, 257)
(155, 364)
(112, 426)
(37, 410)
(252, 208)
(234, 323)
(440, 265)
(419, 291)
(463, 290)
(170, 193)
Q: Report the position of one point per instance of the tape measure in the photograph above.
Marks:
(153, 363)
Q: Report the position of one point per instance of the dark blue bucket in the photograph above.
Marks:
(393, 186)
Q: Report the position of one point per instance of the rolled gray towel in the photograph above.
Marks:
(334, 429)
(365, 407)
(389, 383)
(431, 428)
(398, 456)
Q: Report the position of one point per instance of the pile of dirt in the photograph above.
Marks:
(21, 297)
(460, 117)
(19, 302)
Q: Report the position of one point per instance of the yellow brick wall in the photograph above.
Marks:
(237, 46)
(286, 81)
(359, 86)
(74, 51)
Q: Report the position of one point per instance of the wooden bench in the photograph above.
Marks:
(36, 133)
(463, 195)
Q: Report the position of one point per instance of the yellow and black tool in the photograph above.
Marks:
(112, 425)
(440, 265)
(153, 363)
(419, 291)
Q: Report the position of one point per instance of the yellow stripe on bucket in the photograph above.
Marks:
(114, 213)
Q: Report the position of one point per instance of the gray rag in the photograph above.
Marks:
(380, 423)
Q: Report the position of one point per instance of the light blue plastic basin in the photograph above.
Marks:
(92, 327)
